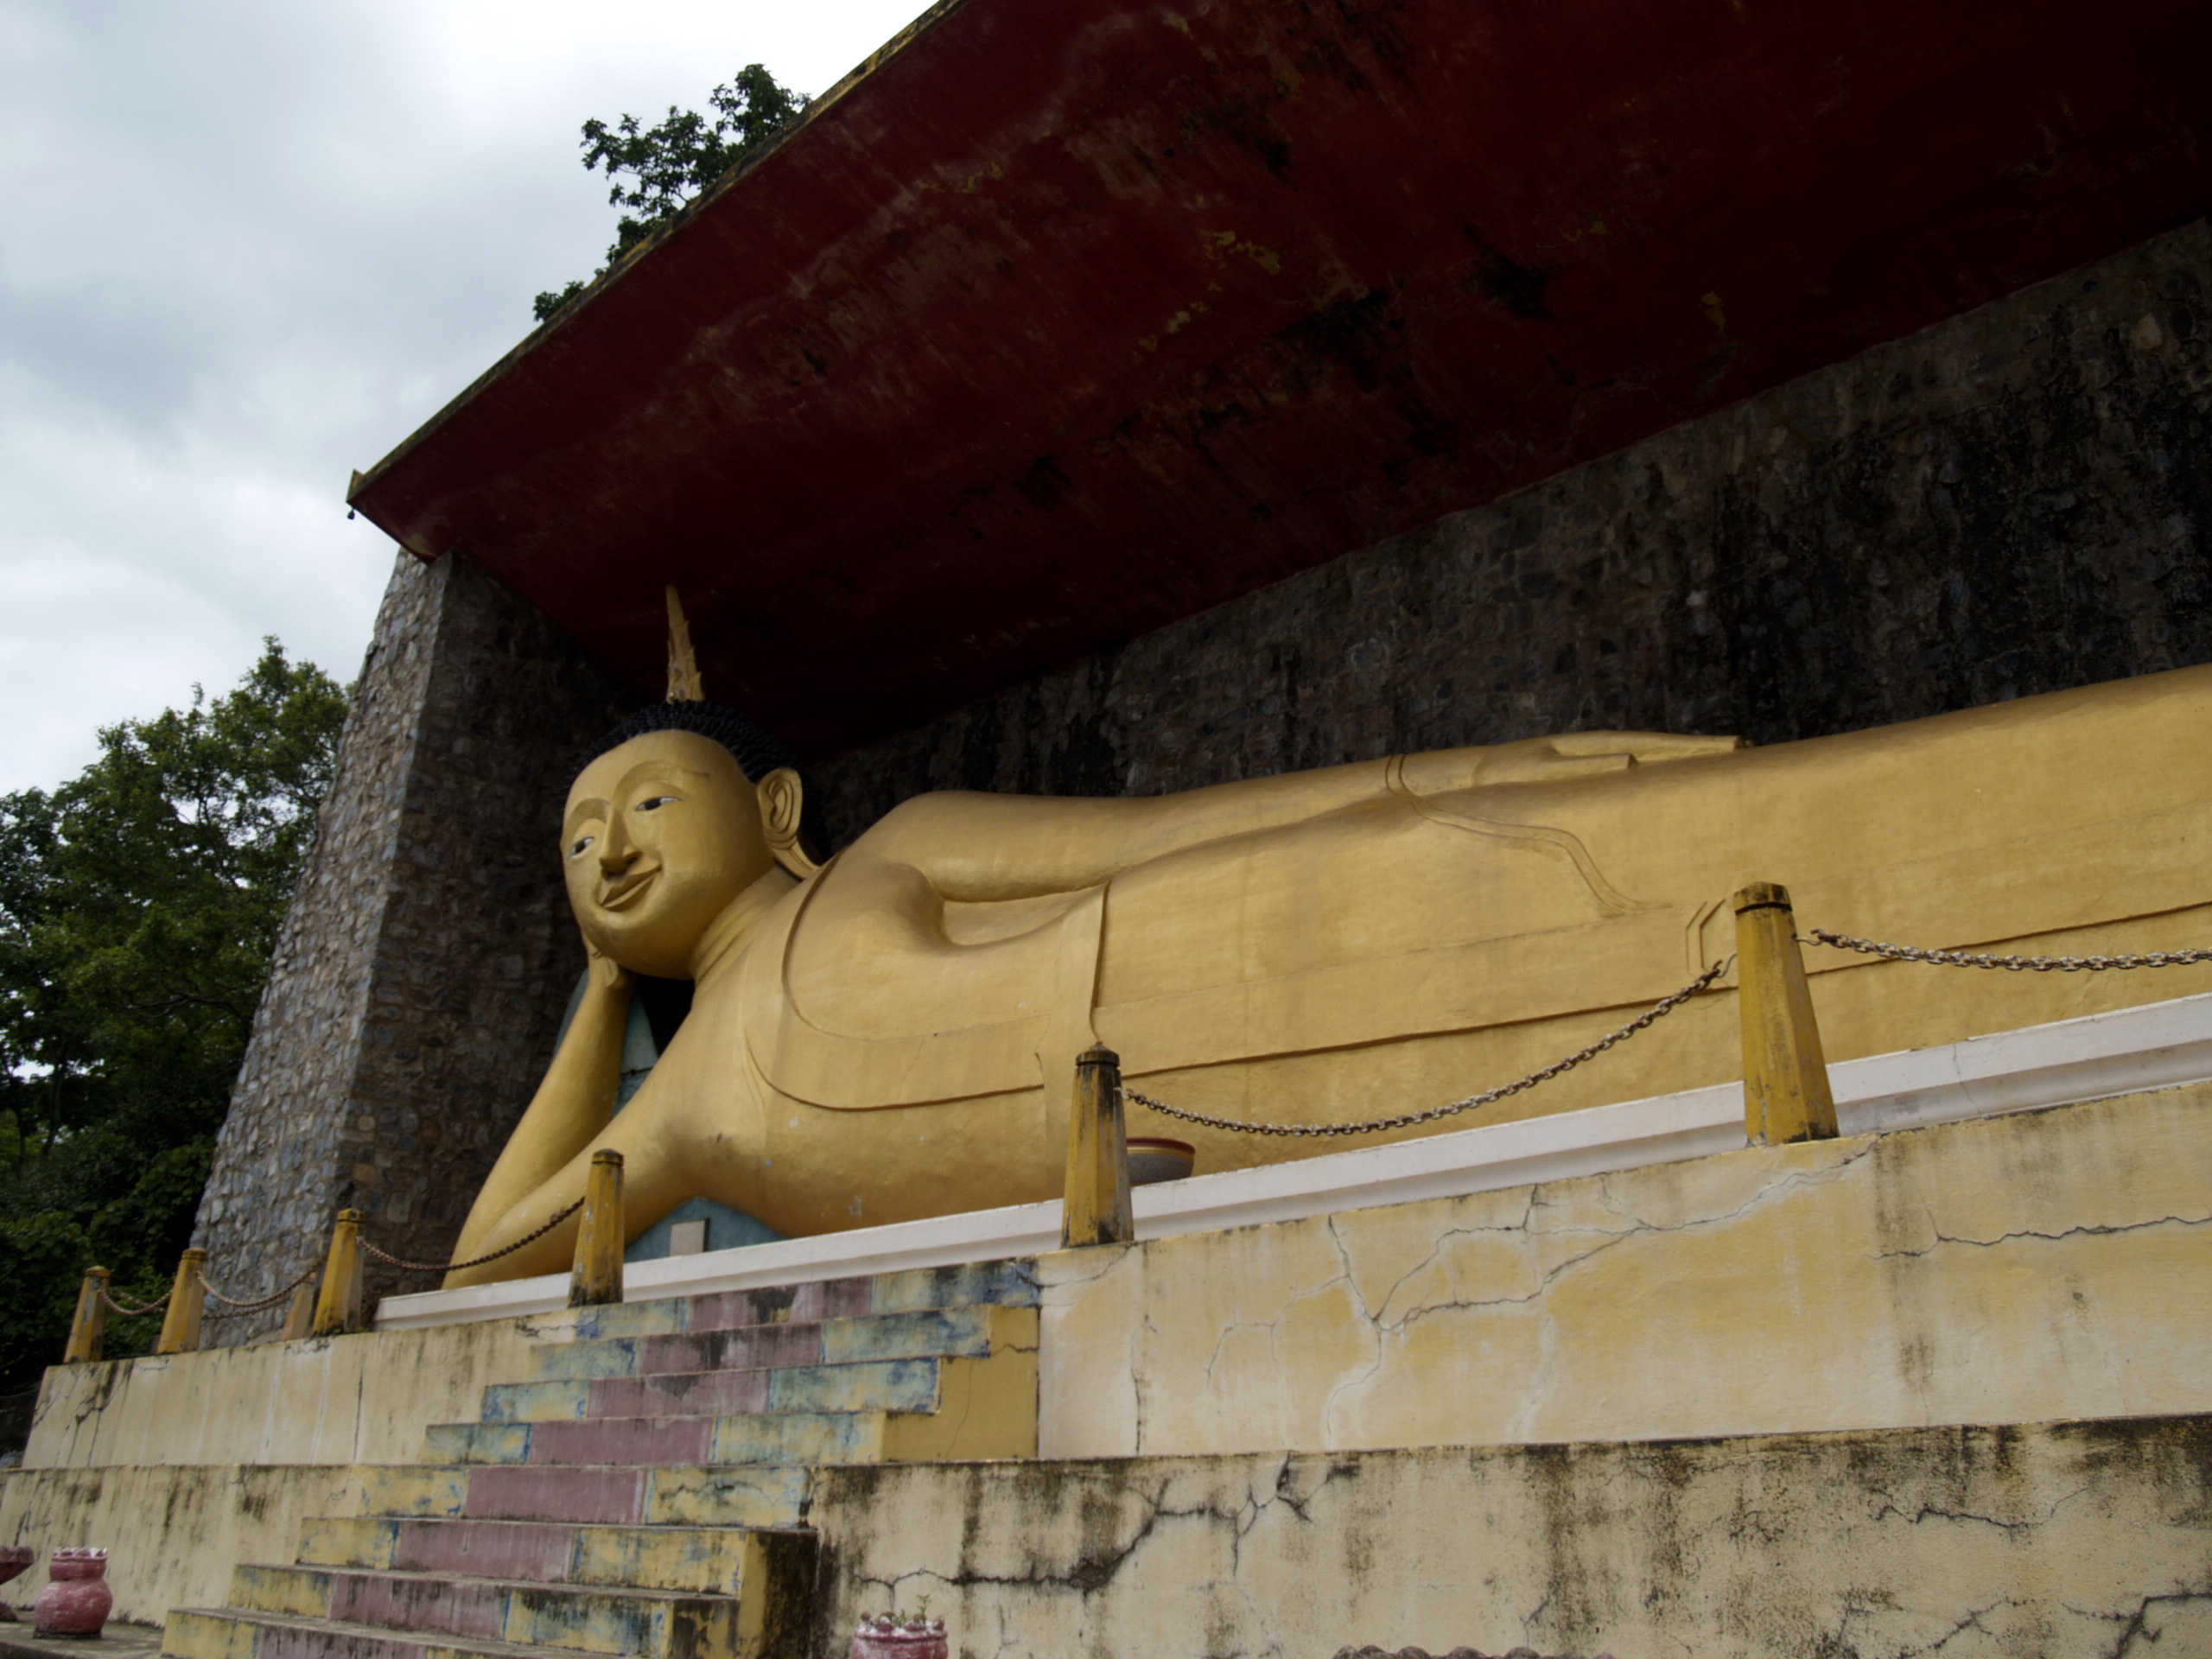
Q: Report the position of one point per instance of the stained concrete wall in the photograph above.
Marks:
(363, 1398)
(2066, 1541)
(424, 963)
(2018, 500)
(2009, 1269)
(1854, 1297)
(172, 1534)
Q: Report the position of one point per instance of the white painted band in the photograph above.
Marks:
(2155, 1046)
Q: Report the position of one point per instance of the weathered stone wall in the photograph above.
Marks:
(2018, 500)
(424, 963)
(2063, 1540)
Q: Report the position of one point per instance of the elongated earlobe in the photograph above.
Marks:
(782, 796)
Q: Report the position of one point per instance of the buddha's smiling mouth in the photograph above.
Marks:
(627, 891)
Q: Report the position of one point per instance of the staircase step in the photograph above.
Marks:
(219, 1633)
(839, 1434)
(699, 1558)
(411, 1488)
(773, 1305)
(627, 1620)
(950, 1332)
(606, 1439)
(875, 1385)
(746, 1495)
(1003, 1284)
(709, 1394)
(1007, 1284)
(927, 1333)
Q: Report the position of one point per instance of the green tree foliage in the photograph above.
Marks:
(139, 904)
(657, 171)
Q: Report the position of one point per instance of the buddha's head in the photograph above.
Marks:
(682, 807)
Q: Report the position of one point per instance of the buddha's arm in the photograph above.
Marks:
(977, 847)
(572, 1106)
(666, 1136)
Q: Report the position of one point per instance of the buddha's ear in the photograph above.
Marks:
(782, 796)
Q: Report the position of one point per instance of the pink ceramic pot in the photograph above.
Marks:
(13, 1558)
(881, 1638)
(76, 1603)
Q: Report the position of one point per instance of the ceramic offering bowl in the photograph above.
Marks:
(13, 1558)
(1155, 1157)
(77, 1601)
(884, 1638)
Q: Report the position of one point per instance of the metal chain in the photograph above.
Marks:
(2012, 965)
(231, 1310)
(1658, 1010)
(135, 1312)
(557, 1217)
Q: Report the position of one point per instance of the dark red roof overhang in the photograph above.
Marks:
(1063, 318)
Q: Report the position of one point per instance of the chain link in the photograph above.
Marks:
(231, 1310)
(1657, 1011)
(557, 1217)
(2010, 964)
(135, 1312)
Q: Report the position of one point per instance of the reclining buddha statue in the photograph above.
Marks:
(891, 1034)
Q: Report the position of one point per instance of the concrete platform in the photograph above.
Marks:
(118, 1640)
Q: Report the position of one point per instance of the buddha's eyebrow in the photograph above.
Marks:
(661, 770)
(594, 808)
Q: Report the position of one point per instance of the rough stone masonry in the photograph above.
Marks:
(2015, 501)
(424, 963)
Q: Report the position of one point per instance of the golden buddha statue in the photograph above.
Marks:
(893, 1035)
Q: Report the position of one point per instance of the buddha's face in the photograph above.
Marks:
(661, 834)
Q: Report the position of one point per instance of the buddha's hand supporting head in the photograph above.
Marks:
(662, 832)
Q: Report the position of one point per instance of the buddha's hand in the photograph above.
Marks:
(1554, 760)
(606, 974)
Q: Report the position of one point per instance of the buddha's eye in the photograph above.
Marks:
(654, 805)
(582, 842)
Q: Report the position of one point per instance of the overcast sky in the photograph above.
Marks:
(248, 246)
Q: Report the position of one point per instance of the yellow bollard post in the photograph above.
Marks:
(181, 1326)
(597, 1276)
(1094, 1204)
(1786, 1096)
(299, 1319)
(338, 1309)
(91, 1322)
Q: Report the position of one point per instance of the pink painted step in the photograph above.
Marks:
(745, 1348)
(732, 1310)
(524, 1491)
(285, 1638)
(668, 1441)
(670, 1393)
(539, 1550)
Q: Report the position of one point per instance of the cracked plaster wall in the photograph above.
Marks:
(2057, 1540)
(2009, 1269)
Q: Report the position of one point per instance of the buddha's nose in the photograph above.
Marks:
(617, 852)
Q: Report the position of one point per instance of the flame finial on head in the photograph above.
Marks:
(684, 684)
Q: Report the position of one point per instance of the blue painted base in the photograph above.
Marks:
(727, 1230)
